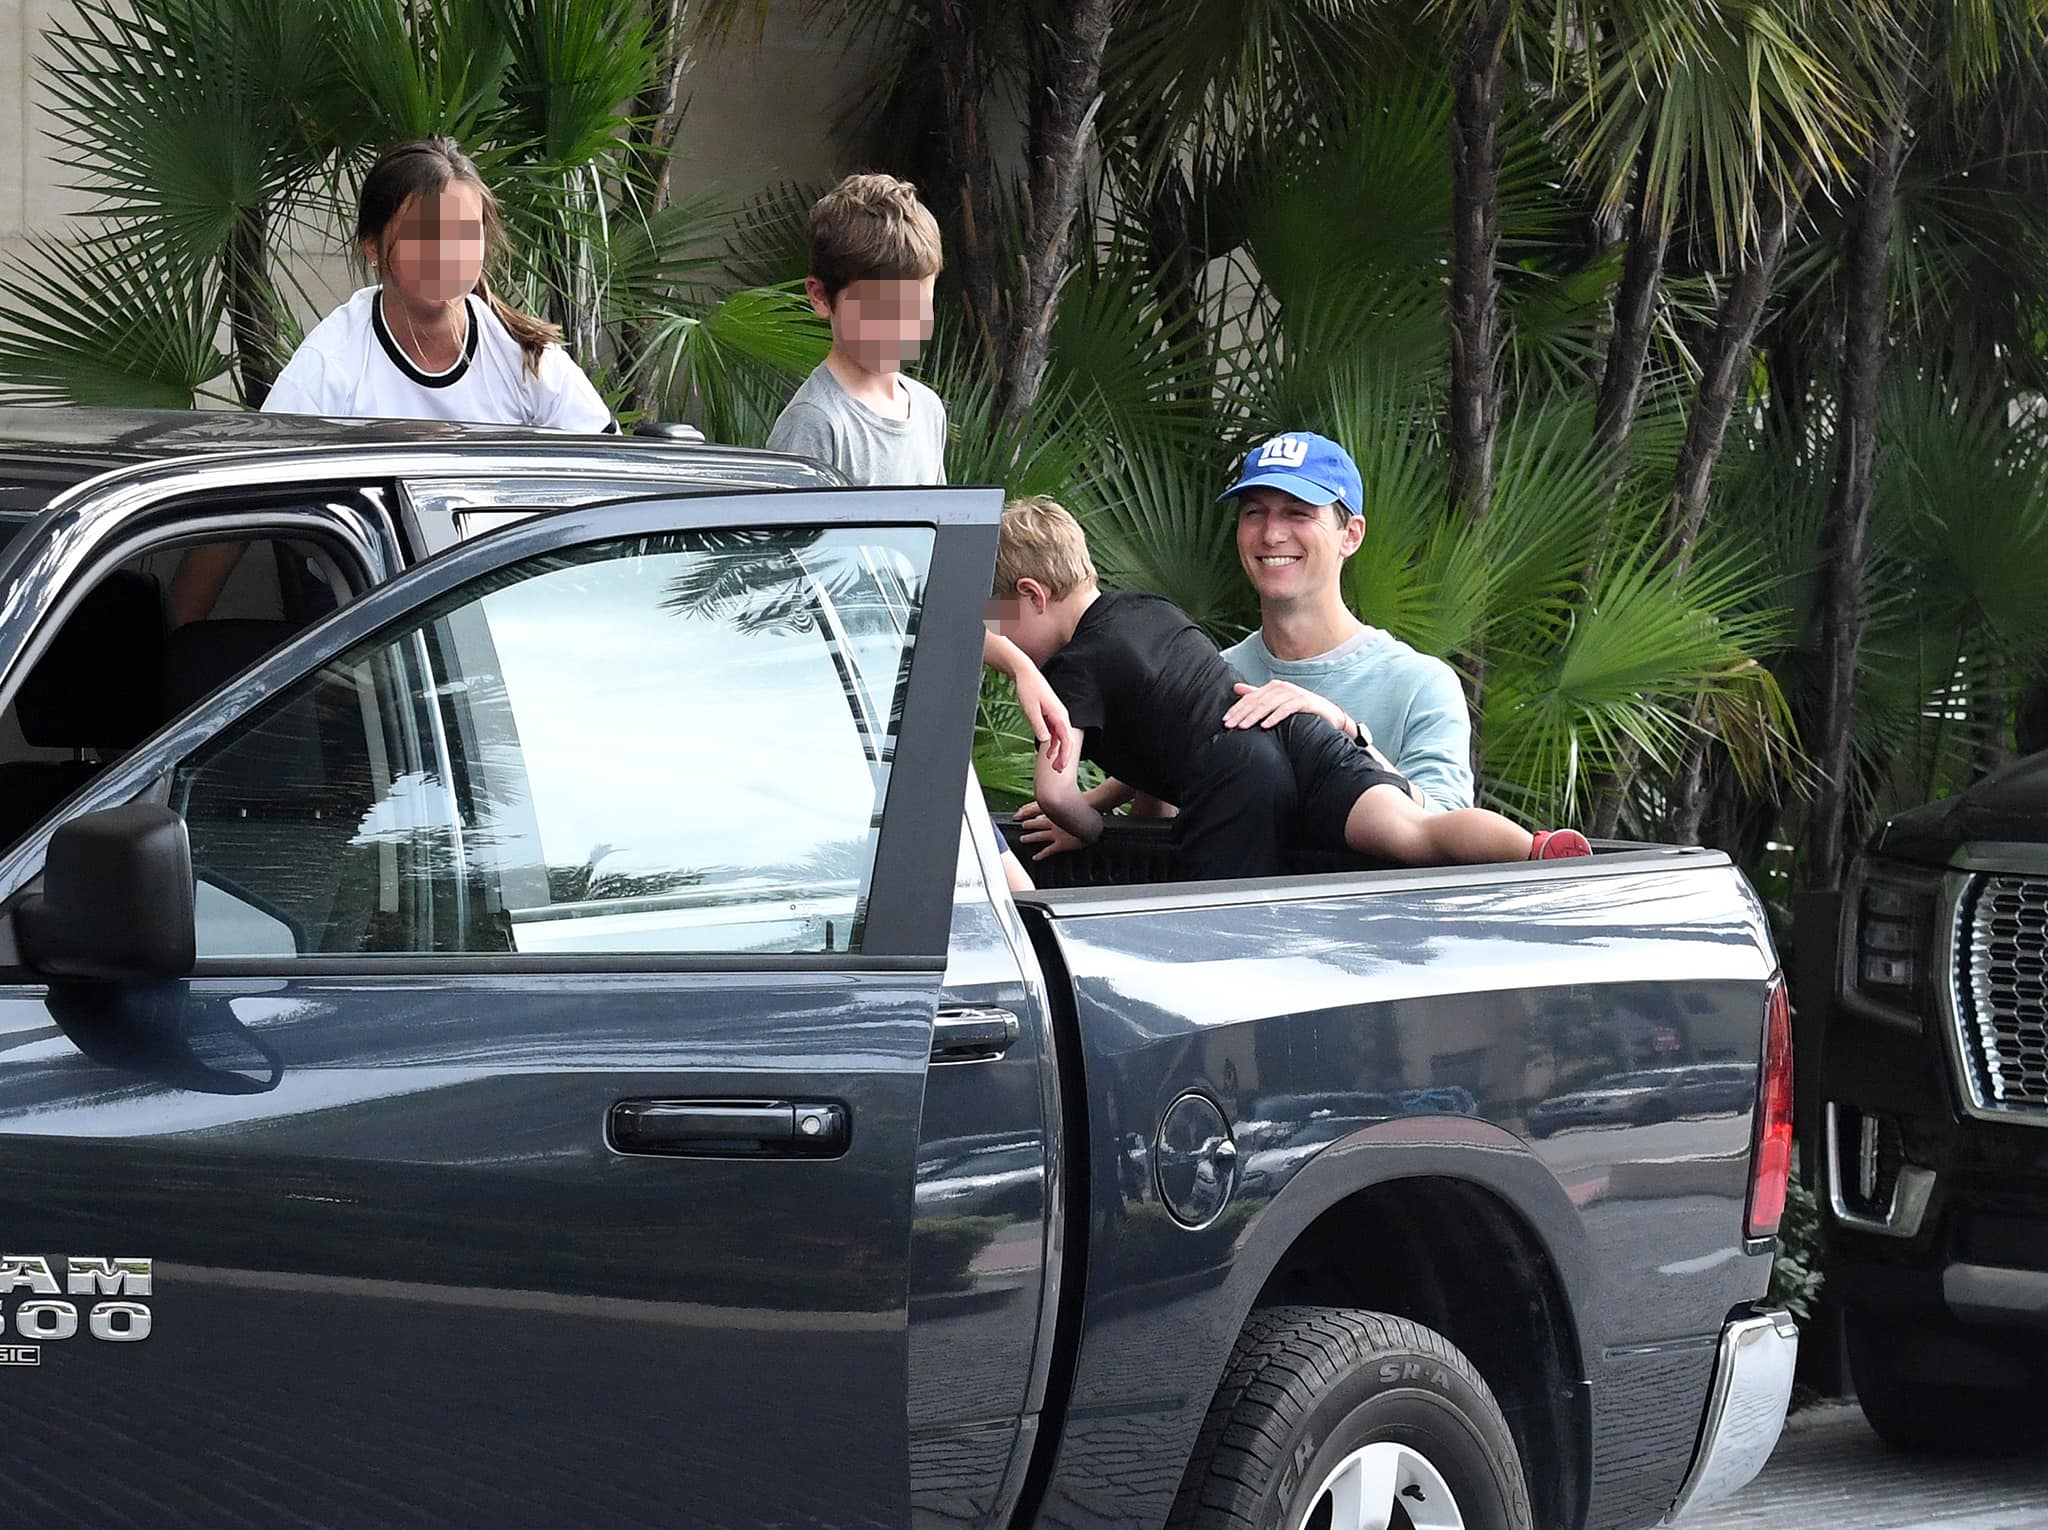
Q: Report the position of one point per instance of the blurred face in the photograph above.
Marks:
(1293, 551)
(434, 249)
(1026, 619)
(880, 324)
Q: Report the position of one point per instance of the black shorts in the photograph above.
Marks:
(1331, 771)
(1254, 793)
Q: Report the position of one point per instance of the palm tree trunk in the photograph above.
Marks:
(1628, 359)
(1066, 75)
(252, 322)
(657, 112)
(1725, 366)
(1844, 539)
(659, 108)
(1628, 348)
(1724, 369)
(1475, 288)
(966, 71)
(1690, 792)
(1475, 255)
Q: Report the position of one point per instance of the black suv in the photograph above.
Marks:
(1931, 1120)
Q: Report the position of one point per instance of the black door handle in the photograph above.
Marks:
(731, 1128)
(971, 1035)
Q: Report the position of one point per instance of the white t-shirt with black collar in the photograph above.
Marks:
(352, 366)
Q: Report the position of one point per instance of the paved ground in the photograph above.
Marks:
(1830, 1470)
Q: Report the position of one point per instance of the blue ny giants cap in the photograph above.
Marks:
(1313, 468)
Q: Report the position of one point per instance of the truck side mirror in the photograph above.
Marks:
(116, 904)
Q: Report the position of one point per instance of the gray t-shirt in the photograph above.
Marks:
(824, 421)
(1410, 702)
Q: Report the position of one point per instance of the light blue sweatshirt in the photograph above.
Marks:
(1412, 704)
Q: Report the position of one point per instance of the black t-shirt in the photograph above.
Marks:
(1146, 686)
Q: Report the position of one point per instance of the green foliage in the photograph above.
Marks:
(1951, 589)
(1265, 247)
(1720, 110)
(118, 321)
(218, 136)
(1796, 1276)
(1329, 317)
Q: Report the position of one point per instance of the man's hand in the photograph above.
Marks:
(1046, 715)
(1262, 706)
(1042, 831)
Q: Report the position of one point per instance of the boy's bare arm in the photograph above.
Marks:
(1044, 713)
(1059, 795)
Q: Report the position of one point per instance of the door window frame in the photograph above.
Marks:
(67, 553)
(344, 534)
(911, 884)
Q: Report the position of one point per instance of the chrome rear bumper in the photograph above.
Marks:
(1745, 1411)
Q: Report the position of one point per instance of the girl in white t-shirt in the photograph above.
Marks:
(430, 341)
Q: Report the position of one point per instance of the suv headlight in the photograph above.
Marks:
(1889, 919)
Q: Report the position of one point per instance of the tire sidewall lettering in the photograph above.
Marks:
(1405, 1398)
(1300, 1457)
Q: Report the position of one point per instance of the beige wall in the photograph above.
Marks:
(31, 193)
(762, 113)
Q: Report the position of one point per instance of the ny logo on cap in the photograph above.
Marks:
(1283, 451)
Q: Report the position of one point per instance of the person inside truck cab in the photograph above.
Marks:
(1147, 693)
(430, 341)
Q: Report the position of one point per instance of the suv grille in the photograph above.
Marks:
(2001, 990)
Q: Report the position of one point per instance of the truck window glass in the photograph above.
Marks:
(118, 669)
(675, 744)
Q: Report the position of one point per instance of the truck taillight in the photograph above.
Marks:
(1771, 1164)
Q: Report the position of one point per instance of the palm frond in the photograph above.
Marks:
(1720, 106)
(118, 320)
(171, 127)
(734, 366)
(572, 62)
(416, 70)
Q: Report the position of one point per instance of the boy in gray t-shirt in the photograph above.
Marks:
(825, 421)
(875, 257)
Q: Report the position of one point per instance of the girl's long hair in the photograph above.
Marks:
(426, 166)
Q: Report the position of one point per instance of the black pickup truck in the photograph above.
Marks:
(511, 1016)
(1932, 1099)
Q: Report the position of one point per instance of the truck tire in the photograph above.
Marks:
(1930, 1418)
(1328, 1417)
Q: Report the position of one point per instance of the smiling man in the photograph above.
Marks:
(1300, 514)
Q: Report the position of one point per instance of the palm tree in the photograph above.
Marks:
(1714, 123)
(1335, 255)
(1953, 626)
(1961, 52)
(1719, 115)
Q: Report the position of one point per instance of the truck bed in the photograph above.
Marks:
(1448, 1046)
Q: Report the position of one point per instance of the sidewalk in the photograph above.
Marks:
(1830, 1470)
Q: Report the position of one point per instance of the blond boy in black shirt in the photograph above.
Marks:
(1146, 692)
